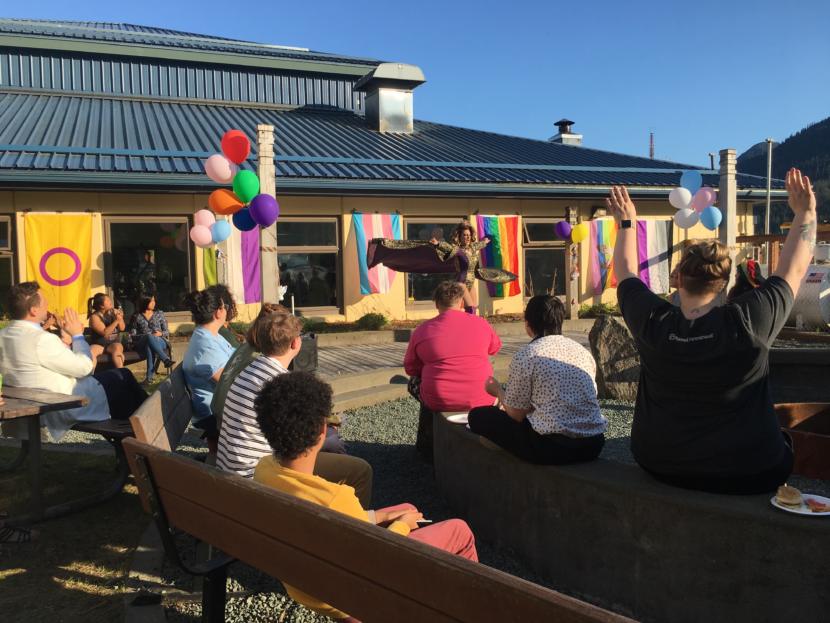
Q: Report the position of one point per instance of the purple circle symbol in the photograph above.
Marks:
(60, 282)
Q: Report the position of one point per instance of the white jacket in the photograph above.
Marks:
(34, 358)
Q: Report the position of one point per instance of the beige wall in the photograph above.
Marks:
(354, 305)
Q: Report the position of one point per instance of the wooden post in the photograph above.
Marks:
(266, 170)
(728, 204)
(572, 267)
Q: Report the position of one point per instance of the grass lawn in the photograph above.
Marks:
(77, 568)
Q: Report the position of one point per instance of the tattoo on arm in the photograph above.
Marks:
(808, 233)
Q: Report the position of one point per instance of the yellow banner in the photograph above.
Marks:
(58, 257)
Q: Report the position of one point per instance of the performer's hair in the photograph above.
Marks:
(447, 294)
(457, 233)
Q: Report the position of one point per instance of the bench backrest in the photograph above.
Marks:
(162, 419)
(370, 573)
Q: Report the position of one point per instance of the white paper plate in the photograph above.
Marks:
(457, 418)
(804, 509)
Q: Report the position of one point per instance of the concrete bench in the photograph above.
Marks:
(369, 572)
(608, 533)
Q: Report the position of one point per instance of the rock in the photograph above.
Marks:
(618, 364)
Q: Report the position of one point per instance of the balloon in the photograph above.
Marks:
(236, 146)
(200, 235)
(242, 220)
(224, 202)
(710, 218)
(264, 210)
(246, 186)
(680, 198)
(691, 181)
(220, 169)
(167, 242)
(686, 218)
(703, 199)
(220, 230)
(579, 232)
(563, 230)
(204, 217)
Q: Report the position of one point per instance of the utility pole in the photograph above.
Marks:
(651, 145)
(711, 161)
(769, 198)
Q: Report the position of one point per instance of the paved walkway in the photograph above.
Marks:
(337, 360)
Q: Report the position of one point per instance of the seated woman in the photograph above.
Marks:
(548, 413)
(704, 418)
(292, 410)
(106, 324)
(225, 330)
(150, 335)
(206, 356)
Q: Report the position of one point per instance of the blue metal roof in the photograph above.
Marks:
(138, 140)
(106, 32)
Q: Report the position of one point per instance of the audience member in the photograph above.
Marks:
(206, 356)
(276, 335)
(548, 412)
(230, 305)
(149, 335)
(704, 418)
(292, 410)
(106, 324)
(747, 277)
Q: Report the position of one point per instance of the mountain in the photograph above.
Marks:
(808, 150)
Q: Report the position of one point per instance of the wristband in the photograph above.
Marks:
(625, 224)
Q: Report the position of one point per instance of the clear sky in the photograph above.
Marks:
(701, 75)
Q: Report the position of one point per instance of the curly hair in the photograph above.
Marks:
(459, 231)
(203, 305)
(544, 315)
(227, 298)
(704, 267)
(291, 410)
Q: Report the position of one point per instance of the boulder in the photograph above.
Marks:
(618, 364)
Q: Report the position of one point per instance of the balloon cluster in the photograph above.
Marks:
(575, 234)
(694, 202)
(247, 207)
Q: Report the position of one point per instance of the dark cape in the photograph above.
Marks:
(416, 256)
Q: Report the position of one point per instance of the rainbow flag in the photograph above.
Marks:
(602, 238)
(653, 244)
(503, 250)
(378, 279)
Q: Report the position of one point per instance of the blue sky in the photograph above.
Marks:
(701, 75)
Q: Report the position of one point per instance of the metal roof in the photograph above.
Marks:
(142, 141)
(106, 32)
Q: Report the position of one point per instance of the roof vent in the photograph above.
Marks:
(388, 91)
(565, 135)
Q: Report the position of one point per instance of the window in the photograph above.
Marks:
(420, 287)
(148, 258)
(309, 261)
(544, 258)
(6, 262)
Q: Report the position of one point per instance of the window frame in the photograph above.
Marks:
(552, 244)
(426, 220)
(186, 219)
(336, 249)
(9, 251)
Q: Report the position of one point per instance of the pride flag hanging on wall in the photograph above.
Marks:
(378, 279)
(653, 244)
(602, 239)
(242, 266)
(503, 250)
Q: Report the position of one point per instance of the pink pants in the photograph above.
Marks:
(453, 536)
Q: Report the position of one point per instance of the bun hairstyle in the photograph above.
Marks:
(457, 233)
(704, 267)
(544, 315)
(203, 305)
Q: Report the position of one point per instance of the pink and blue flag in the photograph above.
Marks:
(378, 279)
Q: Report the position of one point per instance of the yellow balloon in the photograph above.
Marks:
(579, 233)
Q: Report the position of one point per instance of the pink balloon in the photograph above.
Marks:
(703, 199)
(220, 169)
(204, 217)
(201, 236)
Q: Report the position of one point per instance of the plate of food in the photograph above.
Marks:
(792, 500)
(457, 418)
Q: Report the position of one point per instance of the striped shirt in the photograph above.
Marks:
(241, 443)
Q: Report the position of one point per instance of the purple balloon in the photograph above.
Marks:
(563, 230)
(264, 210)
(242, 220)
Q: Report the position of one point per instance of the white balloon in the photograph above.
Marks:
(686, 218)
(680, 198)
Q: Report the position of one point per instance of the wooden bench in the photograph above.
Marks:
(370, 573)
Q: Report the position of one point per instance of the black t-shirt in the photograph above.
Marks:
(703, 404)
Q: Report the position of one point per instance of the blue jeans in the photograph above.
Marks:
(152, 345)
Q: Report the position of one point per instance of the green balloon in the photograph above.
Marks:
(246, 186)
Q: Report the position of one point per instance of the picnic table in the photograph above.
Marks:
(19, 402)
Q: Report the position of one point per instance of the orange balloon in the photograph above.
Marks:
(224, 202)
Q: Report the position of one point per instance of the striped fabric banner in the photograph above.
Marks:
(602, 239)
(378, 279)
(251, 276)
(653, 243)
(503, 250)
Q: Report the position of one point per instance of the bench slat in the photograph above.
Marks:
(164, 416)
